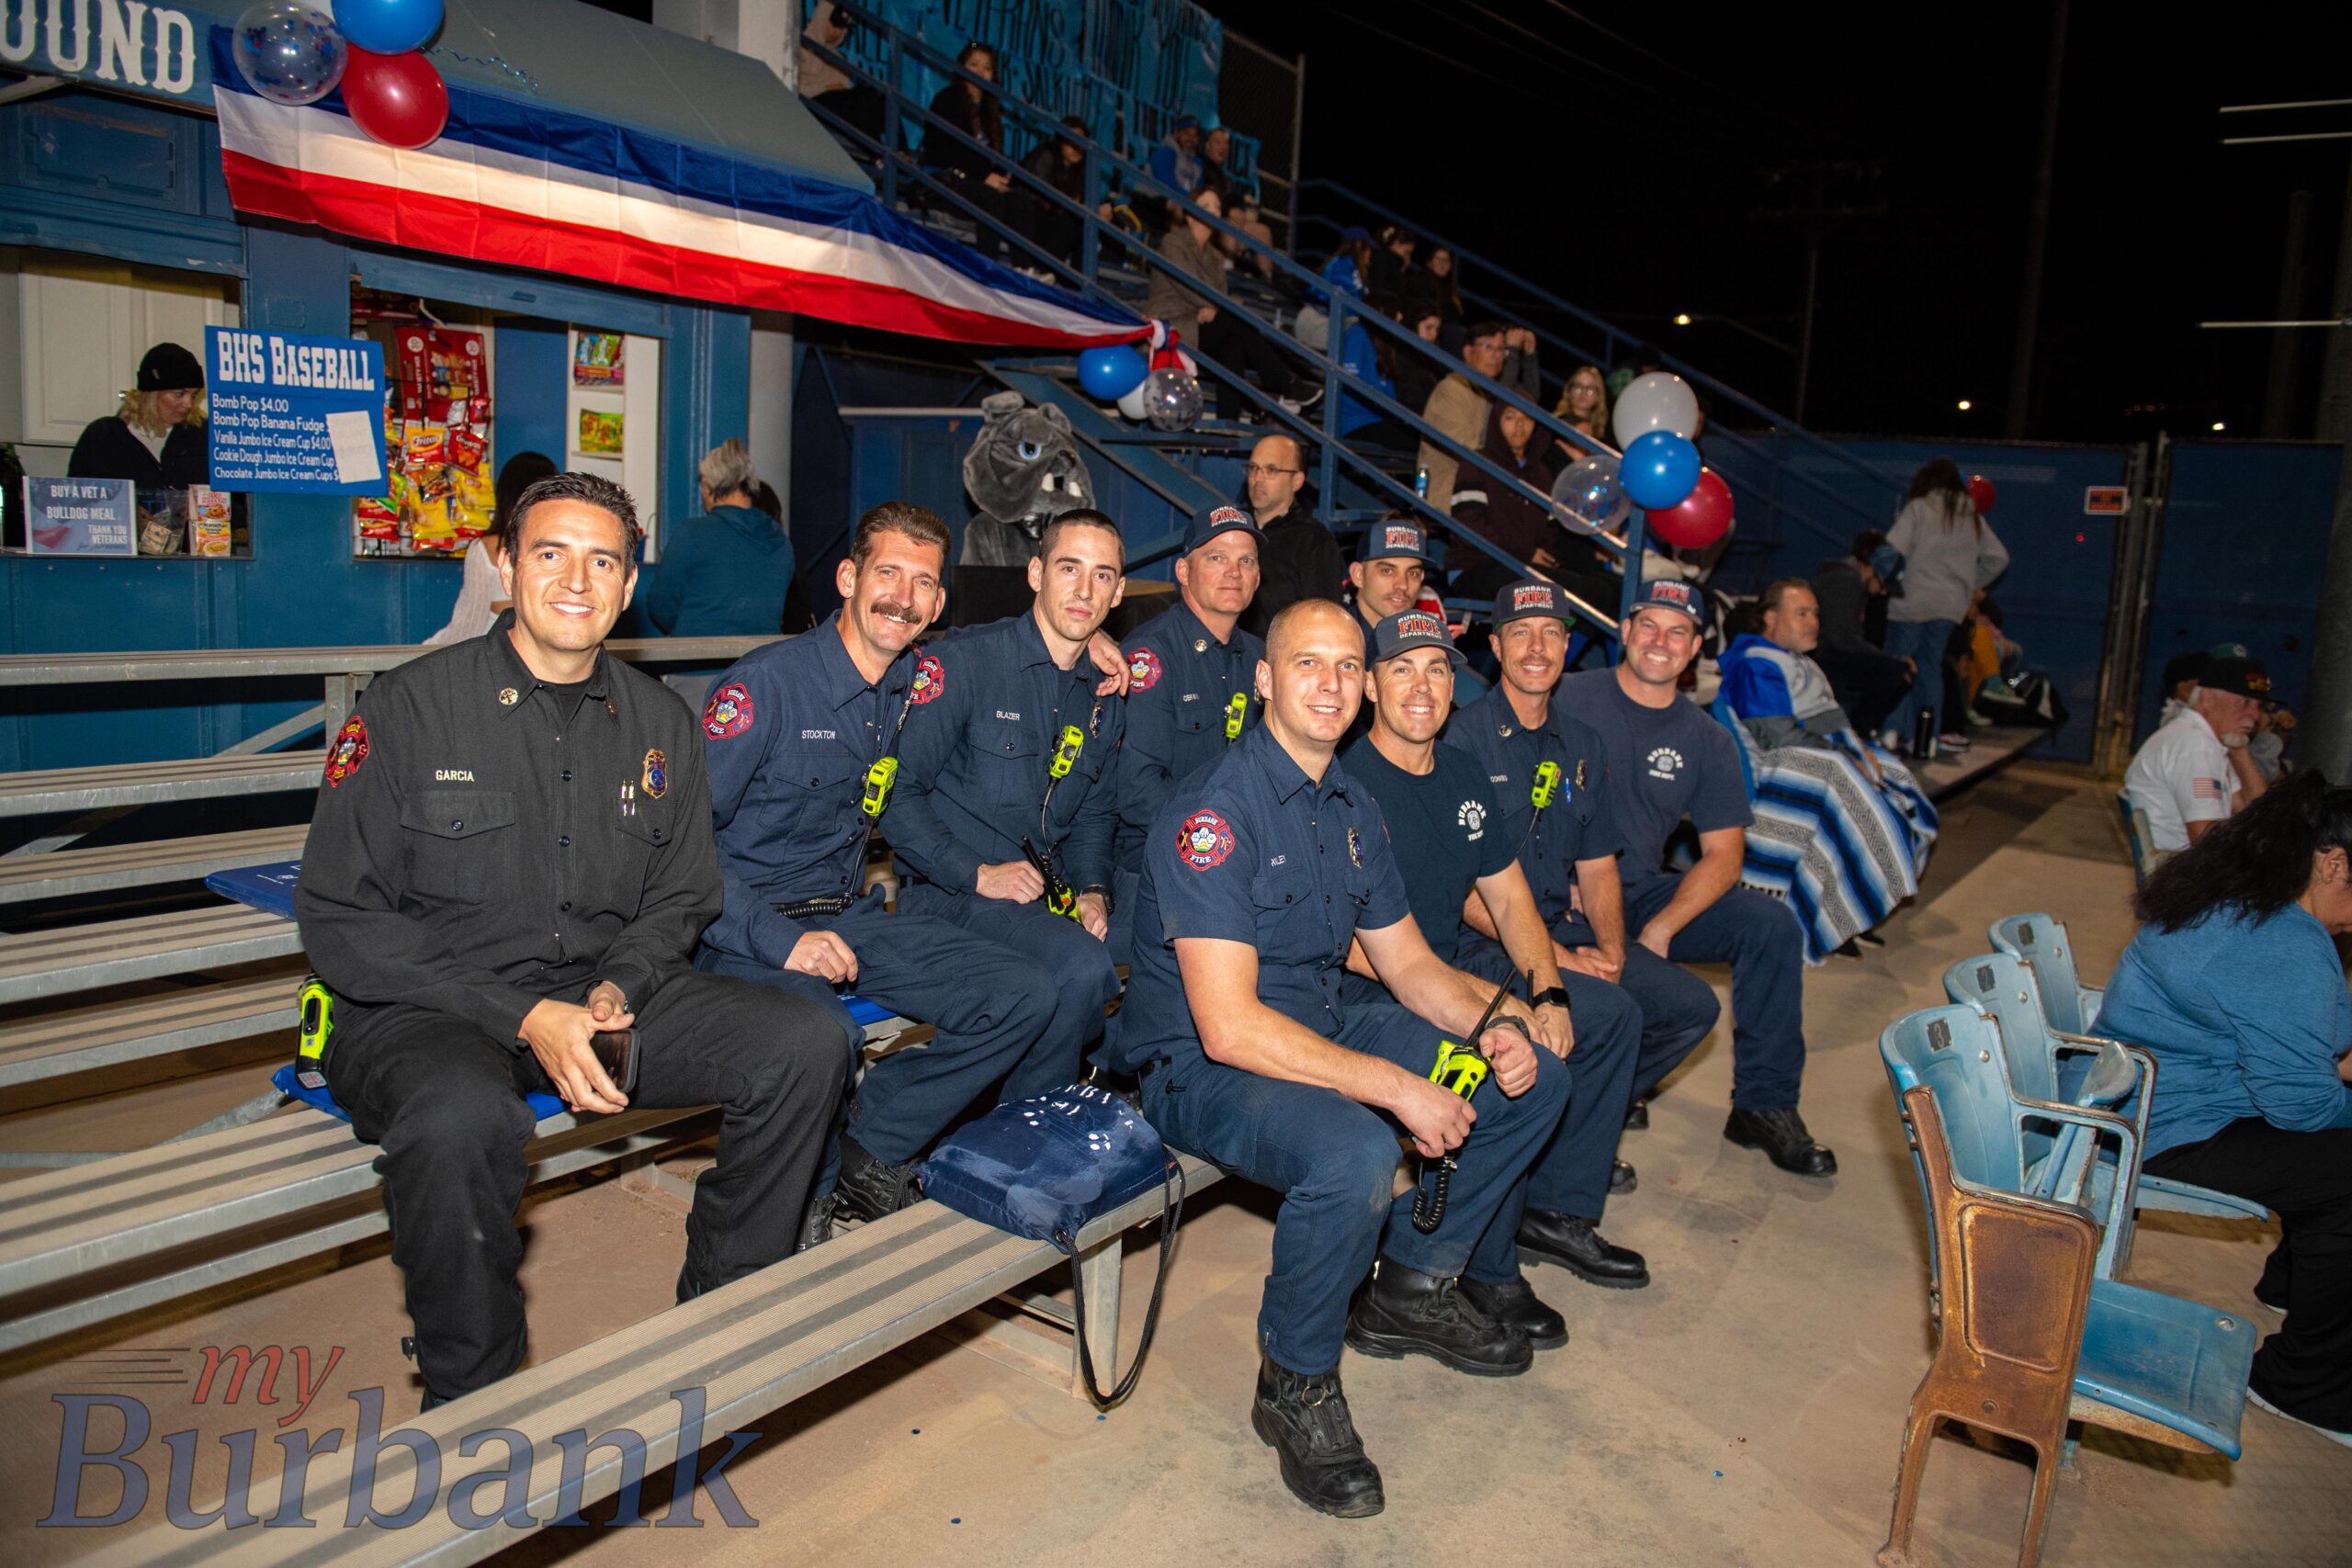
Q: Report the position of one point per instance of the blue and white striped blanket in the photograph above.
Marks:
(1840, 850)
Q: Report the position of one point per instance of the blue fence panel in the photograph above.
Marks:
(2246, 541)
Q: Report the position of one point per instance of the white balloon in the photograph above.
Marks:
(1659, 401)
(1131, 402)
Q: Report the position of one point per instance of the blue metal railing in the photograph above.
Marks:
(1098, 163)
(1616, 343)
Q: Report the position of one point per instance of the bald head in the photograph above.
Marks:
(1311, 680)
(1293, 621)
(1277, 473)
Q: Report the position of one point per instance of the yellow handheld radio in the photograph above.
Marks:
(1546, 788)
(878, 780)
(1073, 741)
(1460, 1069)
(315, 1004)
(1236, 710)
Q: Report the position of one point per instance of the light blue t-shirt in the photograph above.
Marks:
(2245, 1018)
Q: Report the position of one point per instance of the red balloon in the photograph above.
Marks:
(398, 99)
(1703, 516)
(1981, 491)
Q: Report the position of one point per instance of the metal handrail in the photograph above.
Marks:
(1612, 334)
(1141, 178)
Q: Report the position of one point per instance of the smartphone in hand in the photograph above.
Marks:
(617, 1054)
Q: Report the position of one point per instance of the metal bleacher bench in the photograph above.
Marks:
(62, 874)
(67, 959)
(51, 791)
(749, 1348)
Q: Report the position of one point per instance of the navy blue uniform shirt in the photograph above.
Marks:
(1250, 850)
(1665, 763)
(989, 707)
(790, 729)
(1180, 680)
(1576, 825)
(1443, 829)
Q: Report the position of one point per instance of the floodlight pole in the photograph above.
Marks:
(2036, 242)
(2323, 741)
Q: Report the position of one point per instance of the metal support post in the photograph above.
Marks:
(892, 138)
(1090, 242)
(1327, 477)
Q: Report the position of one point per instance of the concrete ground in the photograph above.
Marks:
(1743, 1410)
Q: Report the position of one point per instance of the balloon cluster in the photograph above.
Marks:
(1164, 389)
(292, 52)
(1687, 503)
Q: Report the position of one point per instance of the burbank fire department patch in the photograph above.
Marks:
(1204, 840)
(350, 749)
(931, 679)
(728, 712)
(1143, 670)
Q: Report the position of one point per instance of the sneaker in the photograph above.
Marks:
(1305, 1420)
(1952, 741)
(1405, 1312)
(2329, 1433)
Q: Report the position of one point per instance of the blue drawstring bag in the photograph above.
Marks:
(1044, 1168)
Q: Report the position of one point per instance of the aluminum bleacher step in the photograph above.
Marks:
(52, 790)
(63, 873)
(749, 1347)
(82, 958)
(55, 1044)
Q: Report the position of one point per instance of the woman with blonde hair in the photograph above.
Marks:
(1584, 404)
(156, 439)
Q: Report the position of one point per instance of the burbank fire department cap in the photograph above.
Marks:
(1670, 594)
(2245, 677)
(1222, 518)
(1530, 597)
(1409, 629)
(1394, 538)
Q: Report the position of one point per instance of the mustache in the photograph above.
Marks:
(904, 613)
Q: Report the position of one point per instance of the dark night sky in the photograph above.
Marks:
(1627, 173)
(1628, 181)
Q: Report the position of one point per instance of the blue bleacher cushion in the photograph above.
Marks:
(542, 1105)
(269, 888)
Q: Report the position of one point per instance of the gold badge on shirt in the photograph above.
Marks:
(508, 696)
(657, 774)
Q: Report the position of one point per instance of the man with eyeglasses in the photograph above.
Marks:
(1459, 409)
(1298, 558)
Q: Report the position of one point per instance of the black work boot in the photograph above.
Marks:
(1622, 1177)
(1517, 1305)
(1574, 1245)
(1305, 1420)
(1637, 1116)
(1405, 1312)
(1781, 1135)
(816, 1224)
(868, 1189)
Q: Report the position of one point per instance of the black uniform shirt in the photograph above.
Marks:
(483, 841)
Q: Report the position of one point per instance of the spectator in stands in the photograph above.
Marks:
(1785, 703)
(725, 573)
(1371, 357)
(1668, 760)
(155, 437)
(1392, 560)
(1061, 163)
(826, 85)
(2236, 984)
(1583, 405)
(1463, 878)
(1391, 262)
(481, 596)
(1522, 373)
(972, 109)
(1430, 289)
(1189, 250)
(1261, 871)
(1459, 409)
(2199, 769)
(1868, 680)
(474, 956)
(1418, 372)
(1949, 553)
(791, 731)
(1349, 269)
(1176, 162)
(1484, 505)
(1299, 559)
(1242, 212)
(1216, 145)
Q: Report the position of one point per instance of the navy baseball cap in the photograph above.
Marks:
(1670, 594)
(1392, 537)
(1222, 518)
(1530, 597)
(1353, 232)
(1887, 561)
(2245, 677)
(2186, 666)
(1409, 629)
(2229, 650)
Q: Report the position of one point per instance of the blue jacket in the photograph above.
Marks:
(790, 729)
(1341, 273)
(2245, 1018)
(1357, 359)
(989, 706)
(722, 574)
(1180, 681)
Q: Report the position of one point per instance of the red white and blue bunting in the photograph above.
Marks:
(526, 186)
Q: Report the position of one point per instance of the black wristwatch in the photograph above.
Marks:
(1557, 996)
(1098, 887)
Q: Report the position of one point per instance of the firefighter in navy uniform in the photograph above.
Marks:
(512, 853)
(1191, 669)
(801, 736)
(1004, 801)
(1259, 872)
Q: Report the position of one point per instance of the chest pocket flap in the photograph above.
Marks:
(458, 813)
(459, 843)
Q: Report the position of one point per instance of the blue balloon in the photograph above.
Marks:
(387, 27)
(1111, 373)
(1659, 470)
(289, 52)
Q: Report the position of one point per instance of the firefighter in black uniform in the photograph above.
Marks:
(512, 853)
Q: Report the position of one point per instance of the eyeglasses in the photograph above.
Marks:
(1256, 468)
